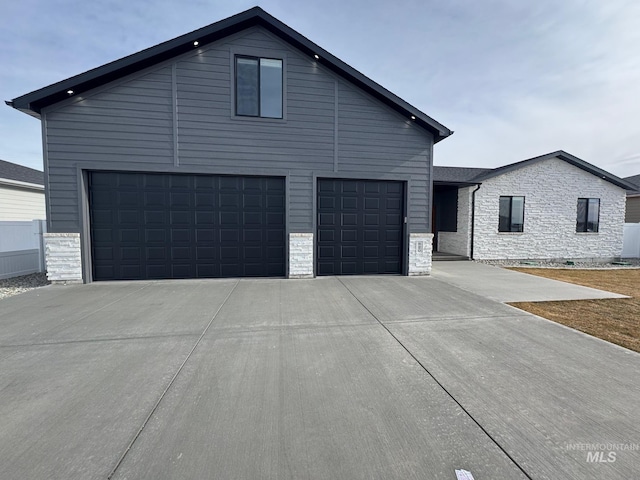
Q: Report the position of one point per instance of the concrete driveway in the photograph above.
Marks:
(350, 378)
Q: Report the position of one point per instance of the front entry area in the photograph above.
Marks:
(360, 227)
(162, 226)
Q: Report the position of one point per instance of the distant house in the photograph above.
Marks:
(555, 206)
(21, 193)
(632, 212)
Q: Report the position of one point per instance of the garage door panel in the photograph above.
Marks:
(103, 234)
(348, 203)
(205, 217)
(360, 226)
(229, 218)
(180, 235)
(205, 235)
(349, 252)
(349, 219)
(275, 236)
(275, 201)
(154, 235)
(206, 200)
(346, 235)
(371, 204)
(184, 226)
(204, 182)
(103, 253)
(179, 181)
(156, 253)
(130, 272)
(229, 235)
(372, 219)
(127, 235)
(154, 217)
(371, 235)
(327, 219)
(275, 219)
(229, 183)
(230, 201)
(205, 253)
(128, 217)
(252, 218)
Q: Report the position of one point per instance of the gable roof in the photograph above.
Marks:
(635, 181)
(18, 173)
(465, 174)
(560, 154)
(32, 103)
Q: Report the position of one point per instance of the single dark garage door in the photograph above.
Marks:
(152, 226)
(360, 226)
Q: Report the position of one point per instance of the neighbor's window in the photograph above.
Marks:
(258, 87)
(588, 215)
(511, 214)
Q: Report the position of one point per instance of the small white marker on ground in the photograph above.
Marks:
(463, 475)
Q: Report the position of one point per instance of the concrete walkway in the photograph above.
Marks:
(509, 286)
(369, 377)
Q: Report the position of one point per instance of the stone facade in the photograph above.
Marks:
(301, 255)
(420, 245)
(459, 242)
(551, 189)
(63, 258)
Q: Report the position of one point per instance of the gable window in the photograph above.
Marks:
(588, 215)
(511, 214)
(258, 87)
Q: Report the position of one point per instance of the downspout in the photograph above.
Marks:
(473, 218)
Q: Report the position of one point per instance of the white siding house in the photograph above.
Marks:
(21, 193)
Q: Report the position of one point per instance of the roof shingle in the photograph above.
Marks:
(19, 173)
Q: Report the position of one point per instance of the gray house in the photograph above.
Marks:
(240, 149)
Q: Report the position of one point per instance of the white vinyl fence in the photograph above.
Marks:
(21, 248)
(631, 242)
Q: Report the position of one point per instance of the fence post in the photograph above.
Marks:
(40, 229)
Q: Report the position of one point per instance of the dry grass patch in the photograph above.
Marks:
(616, 320)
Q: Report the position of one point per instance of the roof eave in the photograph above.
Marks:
(454, 183)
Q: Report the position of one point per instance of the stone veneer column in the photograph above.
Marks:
(63, 258)
(301, 255)
(420, 246)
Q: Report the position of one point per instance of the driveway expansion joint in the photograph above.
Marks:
(170, 384)
(449, 394)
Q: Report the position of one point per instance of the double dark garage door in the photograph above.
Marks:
(155, 226)
(152, 226)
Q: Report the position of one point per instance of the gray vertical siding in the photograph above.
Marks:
(179, 117)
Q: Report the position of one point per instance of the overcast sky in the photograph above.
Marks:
(513, 78)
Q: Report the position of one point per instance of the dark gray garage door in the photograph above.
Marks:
(152, 226)
(360, 227)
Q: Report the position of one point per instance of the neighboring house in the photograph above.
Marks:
(21, 193)
(240, 149)
(632, 211)
(555, 206)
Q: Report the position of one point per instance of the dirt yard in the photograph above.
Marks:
(614, 320)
